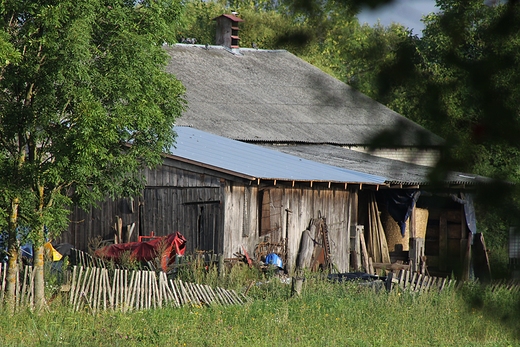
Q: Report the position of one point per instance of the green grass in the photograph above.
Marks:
(326, 314)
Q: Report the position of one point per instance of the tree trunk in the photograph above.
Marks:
(39, 279)
(13, 253)
(38, 261)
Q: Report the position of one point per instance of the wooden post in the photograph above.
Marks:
(220, 268)
(354, 230)
(306, 248)
(443, 242)
(288, 258)
(297, 284)
(416, 253)
(355, 246)
(129, 231)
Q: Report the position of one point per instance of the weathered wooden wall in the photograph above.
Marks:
(243, 206)
(98, 221)
(446, 239)
(175, 199)
(219, 213)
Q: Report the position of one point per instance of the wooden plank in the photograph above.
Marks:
(157, 293)
(442, 283)
(137, 291)
(418, 281)
(107, 291)
(203, 300)
(237, 297)
(481, 259)
(211, 295)
(364, 252)
(176, 296)
(405, 279)
(98, 290)
(402, 277)
(389, 281)
(443, 242)
(411, 283)
(79, 289)
(467, 259)
(129, 290)
(73, 284)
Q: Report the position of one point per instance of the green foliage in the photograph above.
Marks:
(195, 270)
(460, 80)
(198, 20)
(86, 79)
(267, 27)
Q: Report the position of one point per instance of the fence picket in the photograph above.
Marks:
(101, 289)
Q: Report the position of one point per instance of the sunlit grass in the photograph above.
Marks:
(326, 314)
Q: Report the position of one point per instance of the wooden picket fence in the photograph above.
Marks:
(512, 285)
(415, 282)
(24, 289)
(96, 288)
(125, 290)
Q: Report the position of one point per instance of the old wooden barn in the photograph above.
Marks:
(226, 196)
(276, 100)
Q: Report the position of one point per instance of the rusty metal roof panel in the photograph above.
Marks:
(257, 162)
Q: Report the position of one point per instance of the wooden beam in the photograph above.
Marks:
(443, 242)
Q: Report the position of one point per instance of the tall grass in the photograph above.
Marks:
(325, 314)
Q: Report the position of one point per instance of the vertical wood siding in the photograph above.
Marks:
(195, 212)
(304, 204)
(174, 200)
(219, 215)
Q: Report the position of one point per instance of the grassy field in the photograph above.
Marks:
(326, 314)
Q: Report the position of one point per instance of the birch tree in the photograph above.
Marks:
(85, 106)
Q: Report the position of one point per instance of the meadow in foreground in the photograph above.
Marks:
(325, 314)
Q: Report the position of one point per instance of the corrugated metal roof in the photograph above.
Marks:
(274, 96)
(257, 162)
(396, 172)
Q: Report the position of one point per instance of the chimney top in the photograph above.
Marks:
(230, 16)
(227, 31)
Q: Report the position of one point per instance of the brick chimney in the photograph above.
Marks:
(227, 30)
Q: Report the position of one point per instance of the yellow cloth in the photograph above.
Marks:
(56, 256)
